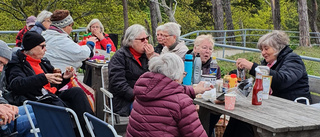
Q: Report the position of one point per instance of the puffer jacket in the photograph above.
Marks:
(124, 71)
(180, 49)
(23, 81)
(289, 76)
(163, 107)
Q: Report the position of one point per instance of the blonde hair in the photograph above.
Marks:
(202, 37)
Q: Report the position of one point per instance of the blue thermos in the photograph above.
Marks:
(188, 65)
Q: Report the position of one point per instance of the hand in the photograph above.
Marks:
(69, 73)
(199, 89)
(98, 34)
(7, 113)
(54, 78)
(149, 50)
(93, 39)
(244, 64)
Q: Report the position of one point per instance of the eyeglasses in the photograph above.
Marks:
(185, 74)
(161, 35)
(1, 64)
(95, 27)
(143, 39)
(43, 45)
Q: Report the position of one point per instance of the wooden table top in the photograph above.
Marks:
(275, 114)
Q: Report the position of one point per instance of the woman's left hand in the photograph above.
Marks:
(69, 73)
(149, 50)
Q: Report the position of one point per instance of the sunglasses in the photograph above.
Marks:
(143, 39)
(43, 45)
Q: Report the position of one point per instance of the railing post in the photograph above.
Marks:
(244, 38)
(224, 39)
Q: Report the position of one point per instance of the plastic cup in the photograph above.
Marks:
(230, 101)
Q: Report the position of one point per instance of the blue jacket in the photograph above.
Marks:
(289, 76)
(38, 27)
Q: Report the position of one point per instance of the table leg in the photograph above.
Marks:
(96, 85)
(204, 116)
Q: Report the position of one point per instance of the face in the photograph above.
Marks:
(38, 51)
(140, 42)
(268, 53)
(205, 50)
(168, 40)
(68, 28)
(3, 61)
(160, 37)
(46, 23)
(30, 27)
(95, 27)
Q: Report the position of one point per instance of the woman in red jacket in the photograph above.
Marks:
(96, 29)
(162, 106)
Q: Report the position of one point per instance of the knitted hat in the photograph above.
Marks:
(31, 39)
(31, 20)
(64, 22)
(5, 51)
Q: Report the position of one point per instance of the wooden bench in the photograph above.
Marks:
(314, 87)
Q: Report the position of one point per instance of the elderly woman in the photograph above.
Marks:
(163, 106)
(127, 65)
(62, 51)
(160, 38)
(31, 77)
(204, 45)
(96, 29)
(171, 33)
(289, 75)
(43, 22)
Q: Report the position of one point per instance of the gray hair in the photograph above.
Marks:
(276, 39)
(202, 37)
(93, 21)
(132, 33)
(169, 64)
(173, 29)
(43, 15)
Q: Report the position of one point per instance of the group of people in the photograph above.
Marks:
(146, 81)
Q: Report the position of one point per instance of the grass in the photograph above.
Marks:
(312, 67)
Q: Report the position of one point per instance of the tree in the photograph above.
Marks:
(218, 18)
(125, 15)
(168, 9)
(275, 8)
(228, 13)
(313, 14)
(154, 24)
(304, 38)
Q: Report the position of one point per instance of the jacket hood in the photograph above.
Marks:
(153, 86)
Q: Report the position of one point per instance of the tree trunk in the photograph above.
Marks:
(228, 13)
(304, 39)
(275, 8)
(154, 24)
(159, 17)
(168, 10)
(313, 20)
(148, 29)
(125, 18)
(218, 19)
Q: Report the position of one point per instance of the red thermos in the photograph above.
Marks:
(257, 90)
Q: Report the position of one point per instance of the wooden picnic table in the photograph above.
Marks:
(96, 84)
(275, 117)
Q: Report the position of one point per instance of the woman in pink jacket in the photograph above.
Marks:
(162, 106)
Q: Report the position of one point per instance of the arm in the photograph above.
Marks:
(117, 78)
(189, 125)
(106, 41)
(199, 89)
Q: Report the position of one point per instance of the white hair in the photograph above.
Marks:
(172, 28)
(43, 15)
(169, 64)
(276, 39)
(132, 33)
(203, 37)
(161, 27)
(93, 21)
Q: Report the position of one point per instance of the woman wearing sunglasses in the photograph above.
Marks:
(172, 44)
(127, 65)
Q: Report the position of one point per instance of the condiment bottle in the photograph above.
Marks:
(257, 92)
(225, 84)
(233, 81)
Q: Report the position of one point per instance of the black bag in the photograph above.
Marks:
(52, 99)
(13, 100)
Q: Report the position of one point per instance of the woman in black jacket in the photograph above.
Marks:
(127, 65)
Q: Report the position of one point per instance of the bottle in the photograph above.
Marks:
(188, 68)
(108, 49)
(257, 91)
(197, 69)
(213, 66)
(233, 81)
(241, 74)
(225, 85)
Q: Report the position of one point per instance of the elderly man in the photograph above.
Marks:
(8, 112)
